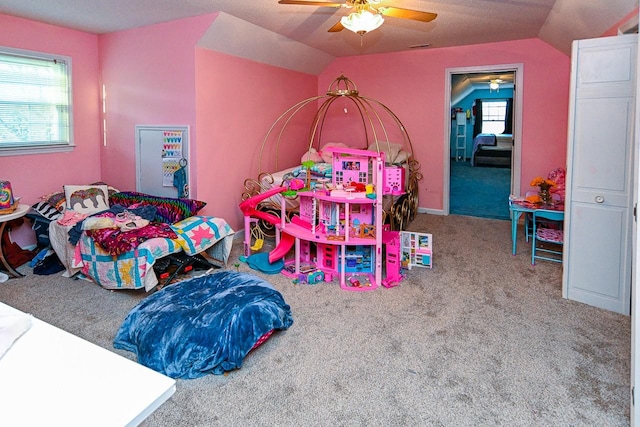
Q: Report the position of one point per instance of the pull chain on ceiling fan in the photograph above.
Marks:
(366, 16)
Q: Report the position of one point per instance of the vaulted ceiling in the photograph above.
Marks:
(459, 22)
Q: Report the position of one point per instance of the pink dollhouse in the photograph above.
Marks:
(338, 231)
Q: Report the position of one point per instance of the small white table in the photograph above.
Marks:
(20, 211)
(53, 378)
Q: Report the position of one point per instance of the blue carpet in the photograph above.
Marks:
(479, 191)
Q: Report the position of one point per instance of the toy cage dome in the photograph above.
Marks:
(340, 116)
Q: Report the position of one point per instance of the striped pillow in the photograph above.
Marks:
(47, 211)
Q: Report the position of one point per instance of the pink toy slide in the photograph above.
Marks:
(248, 208)
(286, 242)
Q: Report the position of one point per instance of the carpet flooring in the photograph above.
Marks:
(482, 339)
(480, 191)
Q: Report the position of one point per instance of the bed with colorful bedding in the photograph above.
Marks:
(119, 259)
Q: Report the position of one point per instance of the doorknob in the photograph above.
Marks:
(599, 199)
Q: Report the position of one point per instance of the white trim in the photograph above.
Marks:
(431, 211)
(40, 149)
(517, 124)
(635, 261)
(53, 148)
(629, 27)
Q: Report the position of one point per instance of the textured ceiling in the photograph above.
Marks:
(459, 22)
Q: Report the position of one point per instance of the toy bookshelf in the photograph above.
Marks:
(417, 249)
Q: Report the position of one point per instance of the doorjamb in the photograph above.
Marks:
(517, 124)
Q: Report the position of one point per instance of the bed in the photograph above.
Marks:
(492, 150)
(398, 210)
(368, 125)
(133, 269)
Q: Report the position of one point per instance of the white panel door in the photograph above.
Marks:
(159, 151)
(598, 220)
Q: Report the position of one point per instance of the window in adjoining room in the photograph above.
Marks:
(35, 102)
(493, 116)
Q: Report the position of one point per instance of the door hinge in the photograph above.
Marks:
(633, 397)
(635, 212)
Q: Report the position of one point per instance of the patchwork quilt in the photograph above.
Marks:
(134, 269)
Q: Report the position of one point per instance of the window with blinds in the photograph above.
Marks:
(35, 102)
(493, 116)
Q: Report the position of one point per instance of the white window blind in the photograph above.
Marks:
(35, 101)
(493, 116)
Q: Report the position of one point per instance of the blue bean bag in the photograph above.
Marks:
(204, 325)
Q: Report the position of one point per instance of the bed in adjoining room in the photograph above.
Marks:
(492, 150)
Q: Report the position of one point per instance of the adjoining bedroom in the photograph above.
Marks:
(481, 143)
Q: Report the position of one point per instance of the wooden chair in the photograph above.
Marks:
(547, 236)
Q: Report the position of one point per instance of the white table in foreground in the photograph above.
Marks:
(51, 377)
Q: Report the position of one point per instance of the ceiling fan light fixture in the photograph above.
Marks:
(362, 21)
(494, 85)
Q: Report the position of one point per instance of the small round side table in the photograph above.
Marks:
(20, 211)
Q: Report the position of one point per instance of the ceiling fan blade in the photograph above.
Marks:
(416, 15)
(337, 27)
(311, 3)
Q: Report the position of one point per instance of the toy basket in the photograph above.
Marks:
(9, 209)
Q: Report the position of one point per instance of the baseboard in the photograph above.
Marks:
(431, 211)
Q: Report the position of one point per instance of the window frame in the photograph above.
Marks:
(484, 109)
(15, 150)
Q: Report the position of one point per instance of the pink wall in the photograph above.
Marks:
(34, 175)
(149, 74)
(156, 75)
(237, 102)
(412, 85)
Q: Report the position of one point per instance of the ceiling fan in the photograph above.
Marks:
(494, 84)
(367, 15)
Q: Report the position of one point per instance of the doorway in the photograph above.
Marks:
(478, 182)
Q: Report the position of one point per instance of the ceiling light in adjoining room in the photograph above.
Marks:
(362, 21)
(494, 85)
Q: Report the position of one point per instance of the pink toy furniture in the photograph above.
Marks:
(338, 231)
(391, 242)
(344, 221)
(416, 249)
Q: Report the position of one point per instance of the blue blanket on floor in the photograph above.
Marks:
(204, 325)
